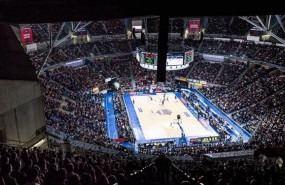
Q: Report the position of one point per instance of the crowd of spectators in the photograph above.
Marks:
(229, 73)
(121, 67)
(246, 49)
(122, 46)
(23, 166)
(41, 32)
(202, 113)
(185, 72)
(71, 52)
(71, 108)
(175, 41)
(227, 47)
(96, 28)
(227, 26)
(192, 43)
(176, 25)
(122, 121)
(238, 27)
(234, 172)
(250, 94)
(253, 101)
(250, 75)
(279, 59)
(269, 109)
(217, 25)
(267, 52)
(171, 149)
(209, 46)
(135, 43)
(115, 26)
(105, 47)
(153, 25)
(205, 71)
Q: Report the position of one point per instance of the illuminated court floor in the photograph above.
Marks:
(158, 120)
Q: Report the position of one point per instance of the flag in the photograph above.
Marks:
(120, 140)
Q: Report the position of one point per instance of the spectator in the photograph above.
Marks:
(6, 171)
(163, 165)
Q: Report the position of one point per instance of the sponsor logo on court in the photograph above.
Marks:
(186, 114)
(164, 111)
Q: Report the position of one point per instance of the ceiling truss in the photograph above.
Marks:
(268, 28)
(57, 42)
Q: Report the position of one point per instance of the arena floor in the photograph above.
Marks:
(159, 121)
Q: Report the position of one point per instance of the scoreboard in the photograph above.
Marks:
(148, 58)
(188, 57)
(174, 59)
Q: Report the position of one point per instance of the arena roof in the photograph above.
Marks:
(32, 11)
(15, 64)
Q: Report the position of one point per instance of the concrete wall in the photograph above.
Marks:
(21, 110)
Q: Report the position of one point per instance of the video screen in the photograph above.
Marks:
(149, 58)
(188, 57)
(174, 59)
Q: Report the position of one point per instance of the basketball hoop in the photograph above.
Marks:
(178, 116)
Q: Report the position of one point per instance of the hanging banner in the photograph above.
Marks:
(27, 35)
(194, 25)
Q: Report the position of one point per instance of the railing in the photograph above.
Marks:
(232, 155)
(138, 175)
(141, 170)
(182, 158)
(62, 136)
(179, 175)
(12, 145)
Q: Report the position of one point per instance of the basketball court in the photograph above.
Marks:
(157, 118)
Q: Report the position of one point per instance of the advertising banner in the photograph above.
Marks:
(27, 35)
(120, 140)
(32, 47)
(205, 139)
(213, 58)
(194, 25)
(173, 59)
